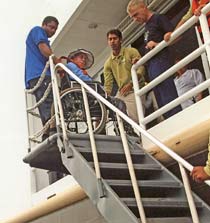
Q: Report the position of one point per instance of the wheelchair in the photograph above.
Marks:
(74, 109)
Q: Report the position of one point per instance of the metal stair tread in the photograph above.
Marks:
(170, 220)
(146, 183)
(104, 138)
(108, 151)
(124, 166)
(161, 202)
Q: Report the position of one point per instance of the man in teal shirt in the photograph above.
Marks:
(118, 67)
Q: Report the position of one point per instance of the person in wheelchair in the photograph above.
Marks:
(78, 61)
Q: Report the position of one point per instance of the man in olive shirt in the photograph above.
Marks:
(118, 67)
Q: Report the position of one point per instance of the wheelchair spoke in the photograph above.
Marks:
(74, 111)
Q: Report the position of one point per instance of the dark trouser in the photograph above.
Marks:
(165, 92)
(45, 107)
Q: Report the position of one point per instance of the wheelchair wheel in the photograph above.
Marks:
(74, 111)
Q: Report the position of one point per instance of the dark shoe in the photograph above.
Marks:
(132, 133)
(129, 130)
(52, 131)
(45, 136)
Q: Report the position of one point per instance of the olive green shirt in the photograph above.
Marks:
(207, 167)
(188, 15)
(119, 68)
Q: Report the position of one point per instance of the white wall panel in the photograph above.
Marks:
(16, 18)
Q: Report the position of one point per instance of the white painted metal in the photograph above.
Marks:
(195, 54)
(91, 134)
(139, 104)
(174, 68)
(203, 56)
(177, 101)
(131, 171)
(57, 102)
(188, 191)
(140, 129)
(171, 153)
(205, 31)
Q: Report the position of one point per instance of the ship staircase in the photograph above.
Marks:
(124, 182)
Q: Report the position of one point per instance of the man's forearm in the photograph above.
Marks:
(45, 49)
(47, 52)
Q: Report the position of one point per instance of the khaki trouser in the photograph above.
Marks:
(130, 104)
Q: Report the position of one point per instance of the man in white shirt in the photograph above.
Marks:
(185, 80)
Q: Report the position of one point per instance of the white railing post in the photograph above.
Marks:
(59, 116)
(139, 105)
(203, 56)
(188, 191)
(93, 143)
(205, 32)
(131, 170)
(141, 130)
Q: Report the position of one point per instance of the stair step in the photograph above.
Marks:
(120, 170)
(109, 151)
(148, 188)
(162, 207)
(112, 155)
(161, 202)
(170, 220)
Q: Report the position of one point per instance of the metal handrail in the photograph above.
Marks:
(138, 92)
(131, 171)
(93, 144)
(205, 47)
(120, 114)
(204, 85)
(140, 128)
(173, 69)
(189, 195)
(152, 138)
(59, 115)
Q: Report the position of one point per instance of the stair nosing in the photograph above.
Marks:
(124, 166)
(131, 202)
(113, 151)
(145, 183)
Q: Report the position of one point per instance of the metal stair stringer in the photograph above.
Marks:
(86, 177)
(162, 193)
(113, 200)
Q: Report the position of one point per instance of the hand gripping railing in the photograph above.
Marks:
(166, 74)
(196, 53)
(120, 114)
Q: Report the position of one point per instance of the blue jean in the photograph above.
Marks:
(45, 107)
